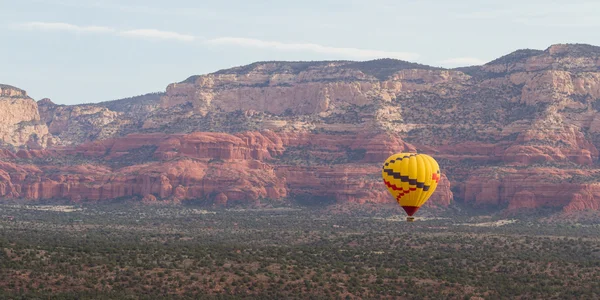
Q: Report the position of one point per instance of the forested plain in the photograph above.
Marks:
(129, 251)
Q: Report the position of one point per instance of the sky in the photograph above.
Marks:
(87, 51)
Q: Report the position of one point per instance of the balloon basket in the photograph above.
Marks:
(410, 219)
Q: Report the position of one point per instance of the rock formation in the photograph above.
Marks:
(519, 132)
(20, 120)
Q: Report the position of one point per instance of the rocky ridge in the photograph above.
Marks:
(519, 132)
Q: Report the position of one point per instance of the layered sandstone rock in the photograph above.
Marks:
(20, 123)
(8, 91)
(218, 167)
(81, 123)
(275, 89)
(173, 180)
(532, 188)
(520, 132)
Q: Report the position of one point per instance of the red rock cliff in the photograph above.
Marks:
(521, 131)
(236, 168)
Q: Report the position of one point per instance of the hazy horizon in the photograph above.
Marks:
(89, 51)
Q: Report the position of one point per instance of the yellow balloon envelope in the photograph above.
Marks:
(411, 178)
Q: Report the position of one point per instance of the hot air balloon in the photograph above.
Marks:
(411, 178)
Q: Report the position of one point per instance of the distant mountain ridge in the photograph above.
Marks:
(505, 133)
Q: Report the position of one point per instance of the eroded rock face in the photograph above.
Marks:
(20, 123)
(317, 90)
(175, 180)
(8, 91)
(520, 132)
(217, 167)
(570, 189)
(76, 124)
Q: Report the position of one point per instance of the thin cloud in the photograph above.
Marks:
(138, 9)
(134, 33)
(349, 52)
(58, 26)
(157, 34)
(463, 61)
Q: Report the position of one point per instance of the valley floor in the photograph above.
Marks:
(123, 251)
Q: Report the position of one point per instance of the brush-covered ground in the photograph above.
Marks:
(127, 251)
